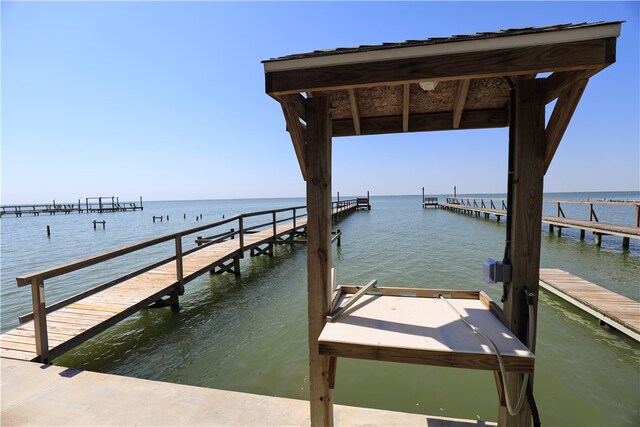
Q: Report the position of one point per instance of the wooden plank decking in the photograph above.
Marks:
(609, 307)
(598, 228)
(77, 322)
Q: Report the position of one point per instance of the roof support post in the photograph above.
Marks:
(526, 216)
(318, 166)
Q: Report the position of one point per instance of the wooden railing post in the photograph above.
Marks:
(179, 270)
(241, 231)
(274, 225)
(40, 319)
(592, 213)
(637, 215)
(294, 220)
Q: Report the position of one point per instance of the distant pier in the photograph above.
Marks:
(100, 204)
(488, 206)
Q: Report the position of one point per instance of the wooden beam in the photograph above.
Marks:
(297, 133)
(295, 102)
(405, 106)
(524, 219)
(479, 119)
(319, 254)
(560, 118)
(589, 54)
(461, 98)
(355, 113)
(557, 83)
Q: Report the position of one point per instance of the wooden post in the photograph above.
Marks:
(274, 225)
(625, 243)
(241, 235)
(236, 266)
(294, 221)
(40, 319)
(318, 163)
(179, 271)
(582, 234)
(48, 231)
(598, 239)
(637, 215)
(525, 218)
(423, 197)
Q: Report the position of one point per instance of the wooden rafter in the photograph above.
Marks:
(405, 106)
(559, 120)
(559, 82)
(589, 54)
(297, 133)
(478, 119)
(355, 113)
(461, 98)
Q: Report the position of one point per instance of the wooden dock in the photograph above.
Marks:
(429, 202)
(50, 331)
(610, 308)
(100, 204)
(488, 207)
(61, 326)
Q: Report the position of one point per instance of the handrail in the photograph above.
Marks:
(36, 280)
(96, 259)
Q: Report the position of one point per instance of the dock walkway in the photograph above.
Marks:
(599, 229)
(91, 205)
(615, 310)
(64, 325)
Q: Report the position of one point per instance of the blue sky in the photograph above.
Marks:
(166, 101)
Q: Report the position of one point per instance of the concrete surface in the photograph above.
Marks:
(34, 394)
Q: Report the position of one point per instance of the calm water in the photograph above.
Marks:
(249, 334)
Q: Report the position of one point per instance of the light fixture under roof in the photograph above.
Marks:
(428, 85)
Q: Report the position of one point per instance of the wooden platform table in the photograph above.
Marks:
(418, 326)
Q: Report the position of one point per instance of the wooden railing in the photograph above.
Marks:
(479, 202)
(340, 205)
(36, 280)
(591, 212)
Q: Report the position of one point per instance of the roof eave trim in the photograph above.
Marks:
(506, 42)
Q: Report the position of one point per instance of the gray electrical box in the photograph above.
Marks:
(495, 271)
